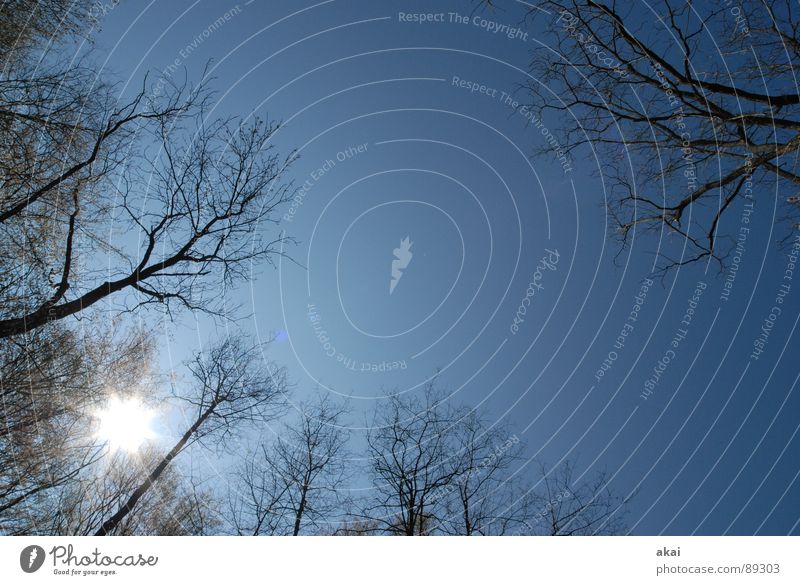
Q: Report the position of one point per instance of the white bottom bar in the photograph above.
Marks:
(395, 560)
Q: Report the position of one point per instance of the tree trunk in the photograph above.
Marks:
(300, 509)
(114, 520)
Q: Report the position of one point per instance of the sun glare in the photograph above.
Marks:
(125, 424)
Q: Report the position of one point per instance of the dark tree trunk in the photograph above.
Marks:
(110, 524)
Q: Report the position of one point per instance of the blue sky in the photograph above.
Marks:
(394, 143)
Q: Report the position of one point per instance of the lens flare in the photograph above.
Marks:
(124, 424)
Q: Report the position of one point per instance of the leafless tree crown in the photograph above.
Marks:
(690, 111)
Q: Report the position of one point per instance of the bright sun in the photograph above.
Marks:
(124, 424)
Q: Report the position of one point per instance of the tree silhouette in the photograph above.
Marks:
(564, 506)
(50, 381)
(81, 171)
(692, 109)
(232, 386)
(296, 483)
(411, 462)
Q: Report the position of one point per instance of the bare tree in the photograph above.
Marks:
(485, 498)
(356, 528)
(50, 380)
(295, 484)
(561, 506)
(113, 203)
(81, 171)
(177, 504)
(233, 385)
(201, 222)
(411, 461)
(255, 502)
(688, 106)
(27, 23)
(439, 468)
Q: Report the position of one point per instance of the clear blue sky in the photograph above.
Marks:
(395, 143)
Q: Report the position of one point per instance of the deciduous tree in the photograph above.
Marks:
(689, 111)
(232, 385)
